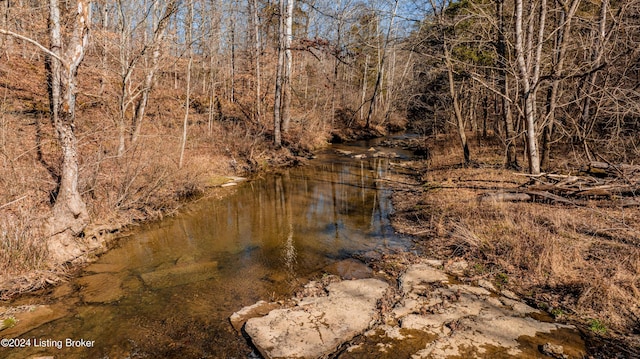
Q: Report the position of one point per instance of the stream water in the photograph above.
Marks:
(168, 290)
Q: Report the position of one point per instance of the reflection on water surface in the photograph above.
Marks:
(169, 289)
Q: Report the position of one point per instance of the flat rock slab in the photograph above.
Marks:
(317, 326)
(419, 274)
(180, 275)
(472, 321)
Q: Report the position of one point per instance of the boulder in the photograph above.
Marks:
(317, 326)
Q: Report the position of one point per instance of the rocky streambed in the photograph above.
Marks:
(424, 312)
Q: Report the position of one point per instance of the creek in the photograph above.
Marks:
(168, 289)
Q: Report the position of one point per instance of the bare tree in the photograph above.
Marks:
(597, 51)
(187, 105)
(528, 63)
(154, 47)
(287, 93)
(378, 83)
(70, 215)
(457, 112)
(503, 84)
(130, 93)
(563, 32)
(258, 50)
(278, 97)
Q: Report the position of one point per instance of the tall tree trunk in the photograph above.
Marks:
(258, 50)
(376, 87)
(456, 106)
(584, 126)
(287, 93)
(103, 56)
(277, 105)
(507, 115)
(214, 38)
(529, 79)
(364, 85)
(187, 105)
(391, 84)
(232, 92)
(126, 68)
(563, 31)
(70, 215)
(336, 63)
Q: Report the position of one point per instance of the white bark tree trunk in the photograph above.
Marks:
(185, 123)
(70, 215)
(278, 99)
(377, 85)
(528, 73)
(287, 93)
(258, 50)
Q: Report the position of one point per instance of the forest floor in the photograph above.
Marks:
(579, 262)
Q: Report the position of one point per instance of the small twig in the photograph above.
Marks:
(622, 174)
(14, 201)
(531, 175)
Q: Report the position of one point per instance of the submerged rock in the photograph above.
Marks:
(350, 269)
(101, 288)
(344, 152)
(317, 326)
(180, 275)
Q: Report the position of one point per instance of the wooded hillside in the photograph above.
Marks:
(114, 111)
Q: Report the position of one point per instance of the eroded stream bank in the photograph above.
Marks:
(169, 290)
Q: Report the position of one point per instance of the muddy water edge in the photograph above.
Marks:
(168, 289)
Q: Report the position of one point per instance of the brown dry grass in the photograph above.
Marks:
(567, 259)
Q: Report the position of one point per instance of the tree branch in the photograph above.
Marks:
(35, 43)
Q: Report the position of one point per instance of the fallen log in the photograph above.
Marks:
(553, 188)
(628, 202)
(551, 196)
(505, 197)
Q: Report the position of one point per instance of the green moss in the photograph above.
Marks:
(557, 312)
(479, 268)
(502, 279)
(597, 327)
(8, 323)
